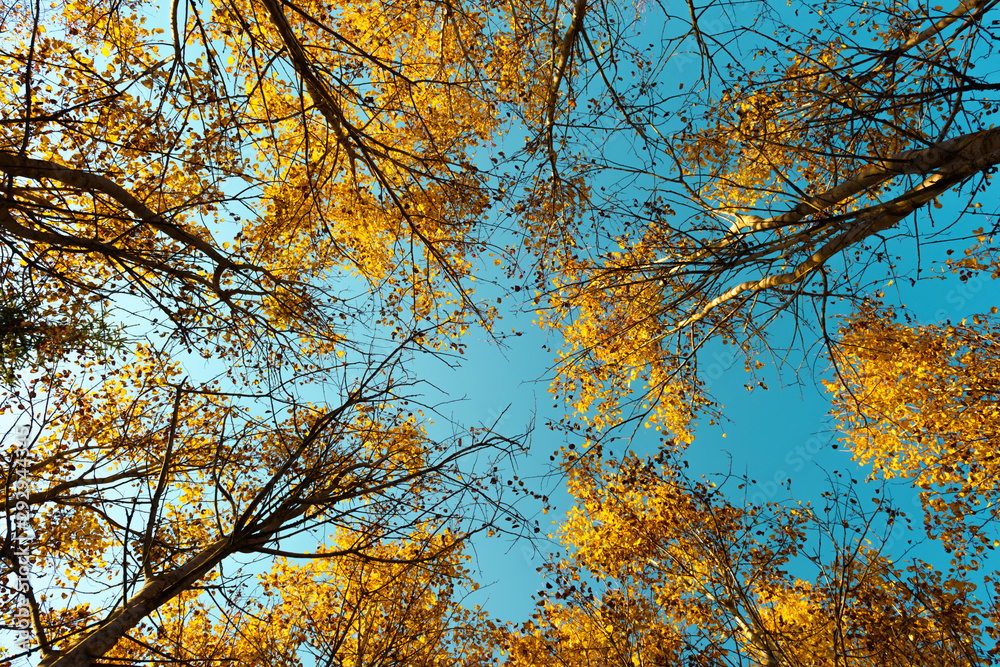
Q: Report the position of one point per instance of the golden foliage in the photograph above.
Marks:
(921, 403)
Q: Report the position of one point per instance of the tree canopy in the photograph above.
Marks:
(229, 229)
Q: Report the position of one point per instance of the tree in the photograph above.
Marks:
(662, 568)
(33, 334)
(309, 159)
(781, 194)
(787, 189)
(393, 607)
(145, 491)
(277, 204)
